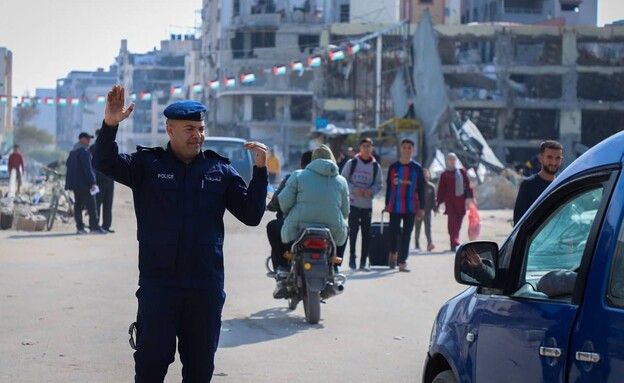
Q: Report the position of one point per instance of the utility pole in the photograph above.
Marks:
(378, 81)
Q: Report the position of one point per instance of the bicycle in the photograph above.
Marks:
(58, 192)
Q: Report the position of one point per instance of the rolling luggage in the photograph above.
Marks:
(379, 244)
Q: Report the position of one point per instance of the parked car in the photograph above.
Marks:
(232, 148)
(548, 306)
(4, 168)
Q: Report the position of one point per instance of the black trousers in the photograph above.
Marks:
(395, 225)
(84, 199)
(104, 200)
(278, 248)
(359, 218)
(193, 316)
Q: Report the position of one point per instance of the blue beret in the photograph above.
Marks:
(186, 110)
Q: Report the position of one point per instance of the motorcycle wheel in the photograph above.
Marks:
(312, 306)
(292, 303)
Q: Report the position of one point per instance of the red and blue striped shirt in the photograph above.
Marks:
(405, 188)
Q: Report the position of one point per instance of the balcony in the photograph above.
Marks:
(258, 20)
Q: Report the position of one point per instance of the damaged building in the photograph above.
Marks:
(519, 84)
(524, 84)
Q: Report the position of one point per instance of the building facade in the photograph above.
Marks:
(6, 100)
(46, 115)
(244, 37)
(559, 12)
(153, 80)
(79, 104)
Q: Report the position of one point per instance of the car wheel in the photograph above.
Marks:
(445, 377)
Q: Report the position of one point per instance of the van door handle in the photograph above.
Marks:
(551, 352)
(589, 357)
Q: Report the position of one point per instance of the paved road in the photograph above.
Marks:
(66, 302)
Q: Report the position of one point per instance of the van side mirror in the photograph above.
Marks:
(476, 263)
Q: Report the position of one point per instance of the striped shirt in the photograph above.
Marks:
(405, 188)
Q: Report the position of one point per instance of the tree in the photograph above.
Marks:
(24, 115)
(30, 138)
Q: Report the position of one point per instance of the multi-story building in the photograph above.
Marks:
(79, 104)
(441, 11)
(541, 82)
(251, 37)
(45, 119)
(153, 80)
(6, 99)
(568, 12)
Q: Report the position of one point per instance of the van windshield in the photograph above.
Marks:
(239, 157)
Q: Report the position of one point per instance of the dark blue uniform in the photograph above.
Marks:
(179, 209)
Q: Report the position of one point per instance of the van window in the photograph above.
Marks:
(559, 243)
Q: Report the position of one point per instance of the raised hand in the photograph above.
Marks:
(116, 110)
(261, 152)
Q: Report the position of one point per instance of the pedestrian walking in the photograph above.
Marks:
(430, 207)
(16, 162)
(180, 196)
(405, 199)
(274, 165)
(344, 157)
(455, 192)
(363, 175)
(81, 179)
(104, 198)
(550, 158)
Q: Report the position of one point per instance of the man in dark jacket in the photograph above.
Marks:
(81, 179)
(180, 195)
(104, 198)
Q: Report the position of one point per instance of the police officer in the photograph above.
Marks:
(180, 196)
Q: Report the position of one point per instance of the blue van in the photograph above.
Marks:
(232, 148)
(548, 306)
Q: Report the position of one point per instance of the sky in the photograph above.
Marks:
(50, 38)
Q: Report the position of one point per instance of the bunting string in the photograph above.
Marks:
(334, 53)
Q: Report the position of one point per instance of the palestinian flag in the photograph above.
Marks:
(230, 81)
(247, 78)
(74, 101)
(176, 91)
(314, 62)
(296, 66)
(100, 100)
(336, 55)
(197, 88)
(146, 96)
(61, 101)
(214, 85)
(279, 70)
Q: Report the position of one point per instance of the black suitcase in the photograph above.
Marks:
(379, 243)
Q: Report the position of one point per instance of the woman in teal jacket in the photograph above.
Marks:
(316, 195)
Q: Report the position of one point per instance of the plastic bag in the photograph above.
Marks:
(474, 222)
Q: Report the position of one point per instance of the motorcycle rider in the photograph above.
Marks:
(274, 227)
(311, 197)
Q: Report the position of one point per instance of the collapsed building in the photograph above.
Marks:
(524, 84)
(519, 84)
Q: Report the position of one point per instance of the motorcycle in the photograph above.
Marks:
(311, 277)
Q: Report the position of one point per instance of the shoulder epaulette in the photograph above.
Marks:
(210, 153)
(156, 149)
